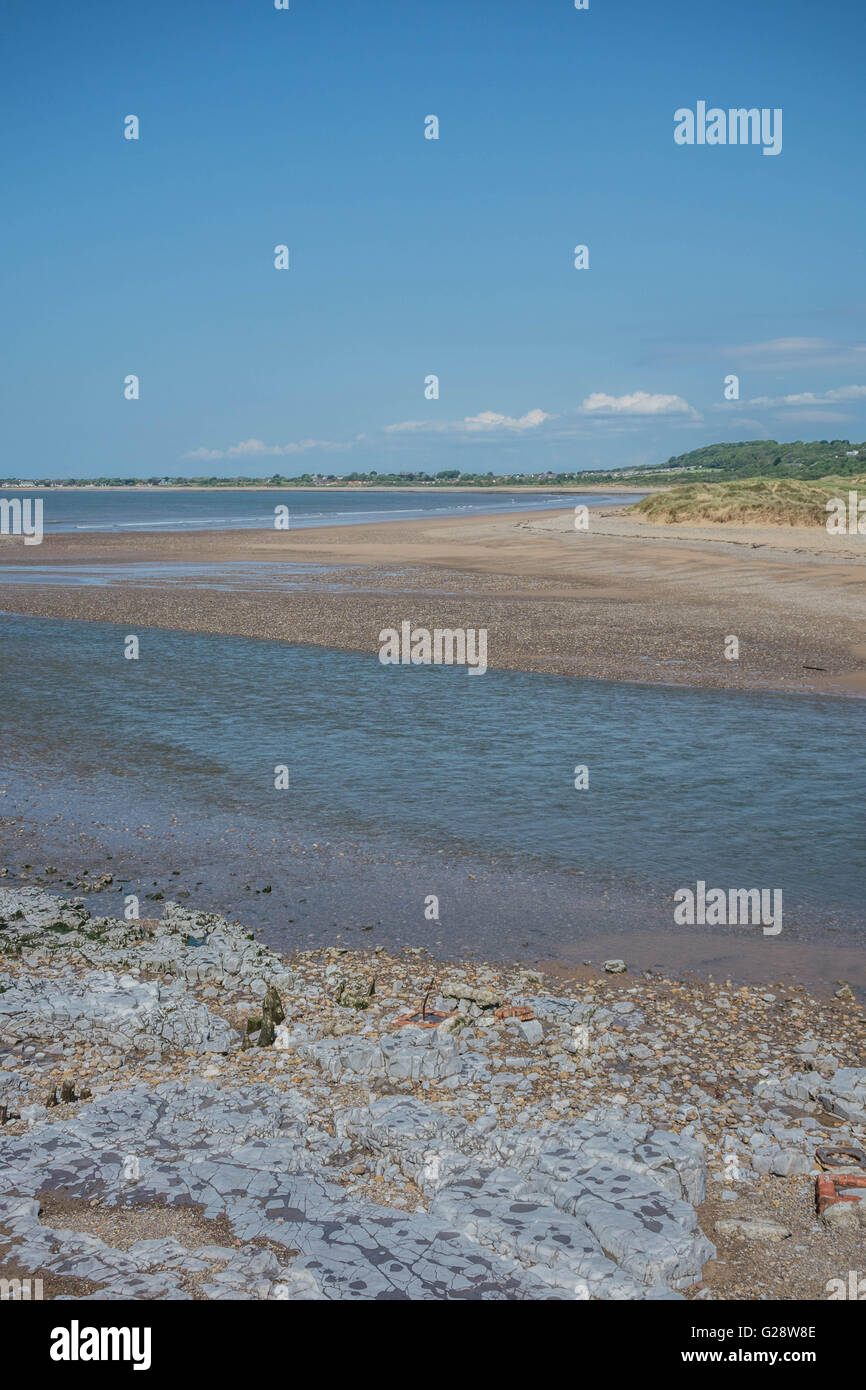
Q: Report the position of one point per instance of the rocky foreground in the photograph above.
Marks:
(185, 1114)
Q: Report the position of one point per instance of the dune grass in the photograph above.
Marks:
(749, 501)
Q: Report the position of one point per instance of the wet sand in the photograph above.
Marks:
(625, 600)
(321, 887)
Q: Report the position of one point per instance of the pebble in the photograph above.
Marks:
(343, 1091)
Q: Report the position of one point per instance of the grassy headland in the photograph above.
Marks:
(749, 501)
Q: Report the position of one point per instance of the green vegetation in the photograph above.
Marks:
(750, 501)
(766, 458)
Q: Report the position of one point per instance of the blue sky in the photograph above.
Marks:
(412, 257)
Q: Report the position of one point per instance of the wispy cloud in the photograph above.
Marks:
(252, 448)
(645, 403)
(812, 398)
(826, 417)
(744, 422)
(203, 455)
(780, 354)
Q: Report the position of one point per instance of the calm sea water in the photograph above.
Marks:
(747, 790)
(167, 510)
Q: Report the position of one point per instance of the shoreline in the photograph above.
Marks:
(627, 600)
(708, 1100)
(335, 886)
(600, 488)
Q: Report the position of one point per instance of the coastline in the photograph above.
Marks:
(331, 888)
(626, 600)
(341, 487)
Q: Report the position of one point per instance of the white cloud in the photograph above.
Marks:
(250, 448)
(637, 403)
(487, 421)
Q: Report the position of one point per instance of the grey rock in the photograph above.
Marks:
(532, 1031)
(787, 1162)
(752, 1228)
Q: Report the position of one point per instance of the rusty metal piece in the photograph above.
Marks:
(520, 1011)
(840, 1156)
(426, 997)
(423, 1017)
(419, 1019)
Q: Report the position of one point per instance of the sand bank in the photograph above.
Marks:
(625, 600)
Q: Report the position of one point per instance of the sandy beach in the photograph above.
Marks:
(623, 600)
